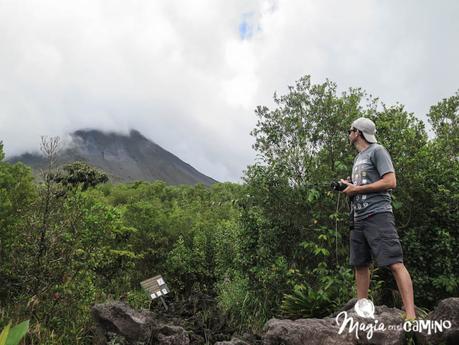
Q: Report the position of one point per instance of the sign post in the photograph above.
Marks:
(156, 287)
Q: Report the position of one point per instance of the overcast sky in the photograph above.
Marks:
(188, 74)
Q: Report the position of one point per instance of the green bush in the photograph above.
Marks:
(334, 287)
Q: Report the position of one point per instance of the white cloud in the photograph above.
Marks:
(184, 74)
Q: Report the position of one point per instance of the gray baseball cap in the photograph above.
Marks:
(367, 127)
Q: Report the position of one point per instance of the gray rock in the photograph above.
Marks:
(325, 331)
(303, 331)
(349, 305)
(391, 318)
(170, 335)
(118, 320)
(447, 309)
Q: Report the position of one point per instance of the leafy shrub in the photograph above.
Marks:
(334, 289)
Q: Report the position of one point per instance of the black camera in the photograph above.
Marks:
(338, 185)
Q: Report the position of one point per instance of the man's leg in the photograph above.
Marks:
(362, 281)
(405, 286)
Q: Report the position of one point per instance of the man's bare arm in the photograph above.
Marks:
(388, 181)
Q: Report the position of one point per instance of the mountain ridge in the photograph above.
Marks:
(125, 158)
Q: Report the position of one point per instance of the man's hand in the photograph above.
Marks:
(351, 190)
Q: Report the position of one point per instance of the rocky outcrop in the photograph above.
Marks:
(303, 331)
(327, 330)
(443, 322)
(447, 310)
(118, 320)
(170, 335)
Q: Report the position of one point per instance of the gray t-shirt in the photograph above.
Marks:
(369, 166)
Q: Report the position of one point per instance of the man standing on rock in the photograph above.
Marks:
(374, 231)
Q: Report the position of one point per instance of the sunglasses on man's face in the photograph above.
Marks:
(351, 130)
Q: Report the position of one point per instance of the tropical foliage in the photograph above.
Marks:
(275, 245)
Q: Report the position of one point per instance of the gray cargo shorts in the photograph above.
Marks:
(377, 237)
